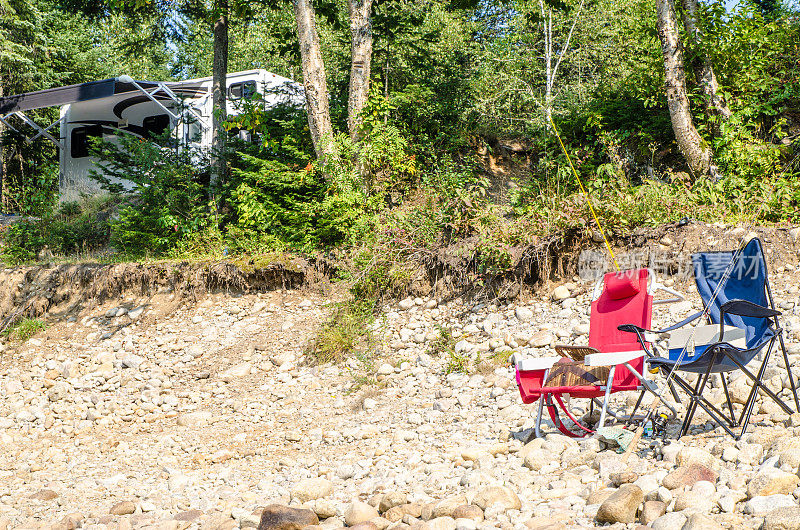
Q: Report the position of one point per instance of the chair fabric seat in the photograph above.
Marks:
(700, 362)
(574, 373)
(532, 387)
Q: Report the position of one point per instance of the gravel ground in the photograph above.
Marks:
(162, 415)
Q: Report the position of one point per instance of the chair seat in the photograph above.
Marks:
(532, 386)
(575, 373)
(702, 359)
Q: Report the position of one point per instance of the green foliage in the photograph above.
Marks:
(75, 228)
(169, 199)
(270, 198)
(429, 174)
(445, 345)
(24, 329)
(456, 362)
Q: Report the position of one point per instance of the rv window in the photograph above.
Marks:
(79, 140)
(155, 125)
(245, 89)
(244, 135)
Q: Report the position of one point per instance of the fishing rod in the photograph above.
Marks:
(585, 194)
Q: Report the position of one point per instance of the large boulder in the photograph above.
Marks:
(311, 489)
(783, 519)
(651, 511)
(359, 512)
(699, 499)
(443, 508)
(772, 481)
(536, 459)
(764, 505)
(397, 513)
(468, 511)
(694, 455)
(392, 499)
(621, 506)
(497, 495)
(698, 521)
(669, 521)
(279, 517)
(688, 475)
(442, 523)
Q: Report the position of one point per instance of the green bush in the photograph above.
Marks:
(73, 229)
(267, 197)
(344, 332)
(168, 198)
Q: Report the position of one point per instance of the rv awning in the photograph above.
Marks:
(64, 95)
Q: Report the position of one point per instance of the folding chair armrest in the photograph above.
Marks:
(613, 358)
(690, 318)
(745, 308)
(542, 363)
(630, 328)
(677, 297)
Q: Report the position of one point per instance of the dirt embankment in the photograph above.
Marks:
(64, 290)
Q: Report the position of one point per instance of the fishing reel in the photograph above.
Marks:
(660, 424)
(657, 426)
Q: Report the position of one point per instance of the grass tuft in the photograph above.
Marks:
(25, 329)
(345, 332)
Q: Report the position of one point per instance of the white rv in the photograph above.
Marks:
(144, 108)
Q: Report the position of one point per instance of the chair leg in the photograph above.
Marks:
(686, 387)
(690, 408)
(757, 380)
(609, 384)
(728, 399)
(789, 372)
(751, 398)
(698, 391)
(537, 430)
(636, 407)
(649, 386)
(710, 409)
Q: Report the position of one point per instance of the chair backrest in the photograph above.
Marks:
(625, 299)
(747, 281)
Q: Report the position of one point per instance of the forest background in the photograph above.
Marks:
(429, 128)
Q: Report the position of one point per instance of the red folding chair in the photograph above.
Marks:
(613, 361)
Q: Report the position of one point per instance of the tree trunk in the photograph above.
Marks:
(696, 152)
(3, 182)
(314, 81)
(219, 87)
(361, 62)
(703, 71)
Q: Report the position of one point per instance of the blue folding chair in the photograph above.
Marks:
(744, 301)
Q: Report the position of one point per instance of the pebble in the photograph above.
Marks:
(123, 508)
(560, 293)
(359, 512)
